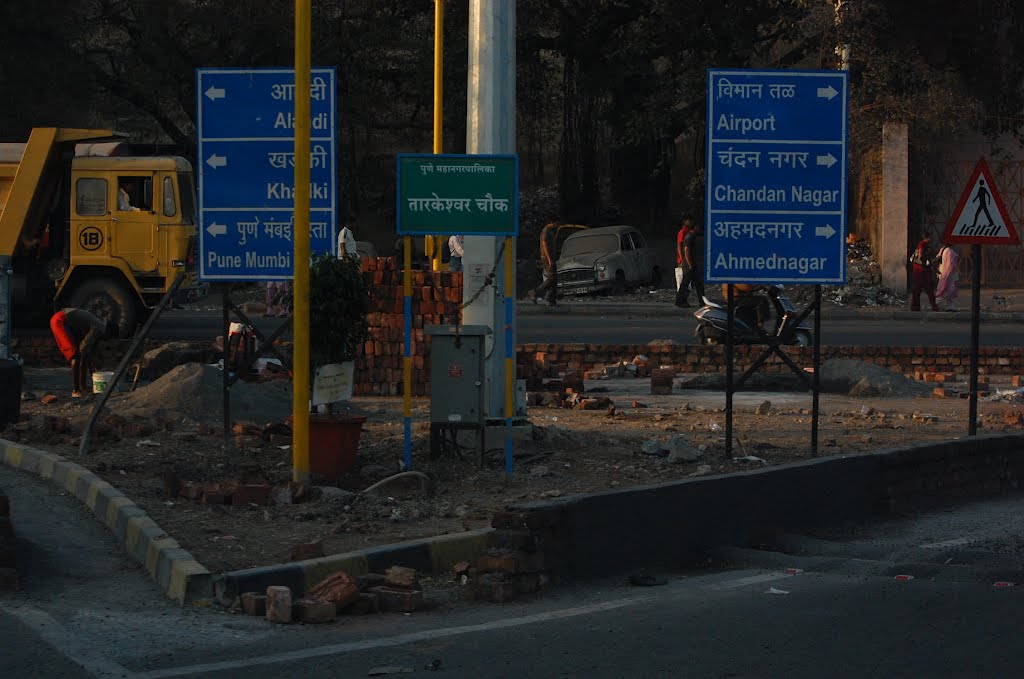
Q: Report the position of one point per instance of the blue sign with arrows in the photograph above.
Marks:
(776, 176)
(246, 158)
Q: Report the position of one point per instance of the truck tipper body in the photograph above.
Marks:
(106, 233)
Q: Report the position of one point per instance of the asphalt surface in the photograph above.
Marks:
(86, 610)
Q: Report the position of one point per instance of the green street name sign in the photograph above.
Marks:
(469, 195)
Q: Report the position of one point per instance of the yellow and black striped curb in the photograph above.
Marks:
(428, 555)
(175, 571)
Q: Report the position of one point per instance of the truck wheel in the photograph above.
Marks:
(108, 300)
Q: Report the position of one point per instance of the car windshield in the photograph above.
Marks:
(581, 245)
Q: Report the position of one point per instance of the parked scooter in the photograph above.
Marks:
(712, 319)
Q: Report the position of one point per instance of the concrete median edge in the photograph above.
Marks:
(176, 572)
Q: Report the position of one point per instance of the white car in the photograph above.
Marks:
(606, 259)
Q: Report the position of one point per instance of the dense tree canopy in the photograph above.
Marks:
(607, 89)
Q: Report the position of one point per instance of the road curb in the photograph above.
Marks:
(172, 568)
(427, 555)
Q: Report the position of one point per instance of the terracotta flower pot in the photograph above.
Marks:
(333, 443)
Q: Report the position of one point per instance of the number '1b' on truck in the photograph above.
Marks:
(83, 227)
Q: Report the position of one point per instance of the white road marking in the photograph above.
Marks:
(958, 542)
(398, 640)
(67, 644)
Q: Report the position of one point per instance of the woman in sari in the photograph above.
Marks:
(948, 288)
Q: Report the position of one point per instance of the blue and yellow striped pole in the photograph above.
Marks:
(407, 347)
(510, 367)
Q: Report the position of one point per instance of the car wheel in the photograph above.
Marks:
(802, 338)
(619, 283)
(108, 300)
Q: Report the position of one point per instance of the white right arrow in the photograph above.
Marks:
(216, 229)
(827, 160)
(827, 231)
(215, 93)
(827, 92)
(216, 161)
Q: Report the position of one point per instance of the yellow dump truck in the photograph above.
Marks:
(82, 226)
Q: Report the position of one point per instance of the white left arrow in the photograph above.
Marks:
(215, 93)
(216, 161)
(827, 92)
(828, 160)
(827, 231)
(216, 229)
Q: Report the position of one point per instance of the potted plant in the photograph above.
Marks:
(339, 301)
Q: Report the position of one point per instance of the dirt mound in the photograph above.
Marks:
(861, 379)
(195, 390)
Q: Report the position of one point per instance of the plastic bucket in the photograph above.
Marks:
(100, 380)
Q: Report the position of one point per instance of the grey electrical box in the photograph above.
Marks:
(457, 373)
(456, 380)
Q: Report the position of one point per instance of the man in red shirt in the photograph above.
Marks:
(77, 332)
(683, 273)
(921, 277)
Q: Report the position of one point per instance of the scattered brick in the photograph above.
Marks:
(369, 580)
(941, 392)
(254, 603)
(279, 604)
(307, 550)
(398, 600)
(367, 602)
(401, 577)
(313, 611)
(496, 587)
(339, 588)
(48, 399)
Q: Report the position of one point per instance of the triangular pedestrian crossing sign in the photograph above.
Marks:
(980, 217)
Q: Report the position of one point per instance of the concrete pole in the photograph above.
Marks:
(490, 128)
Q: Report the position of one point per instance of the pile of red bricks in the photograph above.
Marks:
(8, 562)
(539, 361)
(514, 562)
(436, 299)
(398, 590)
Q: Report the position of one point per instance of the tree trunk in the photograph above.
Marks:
(580, 195)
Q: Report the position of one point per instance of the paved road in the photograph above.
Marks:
(639, 328)
(845, 616)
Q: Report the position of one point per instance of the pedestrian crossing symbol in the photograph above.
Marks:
(980, 217)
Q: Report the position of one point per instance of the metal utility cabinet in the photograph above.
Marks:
(456, 383)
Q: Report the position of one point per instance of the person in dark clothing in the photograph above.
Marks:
(921, 276)
(549, 286)
(77, 331)
(693, 258)
(686, 274)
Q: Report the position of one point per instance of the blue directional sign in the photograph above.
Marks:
(246, 158)
(776, 176)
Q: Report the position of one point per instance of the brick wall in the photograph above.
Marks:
(436, 298)
(548, 360)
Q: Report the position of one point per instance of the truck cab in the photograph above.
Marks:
(86, 227)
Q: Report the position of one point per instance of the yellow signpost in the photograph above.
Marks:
(300, 315)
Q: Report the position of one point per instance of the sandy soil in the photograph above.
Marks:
(168, 433)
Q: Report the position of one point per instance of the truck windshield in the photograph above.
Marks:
(188, 197)
(581, 245)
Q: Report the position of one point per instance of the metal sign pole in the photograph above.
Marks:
(972, 426)
(816, 377)
(730, 326)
